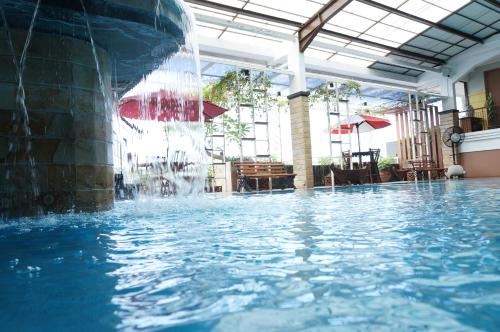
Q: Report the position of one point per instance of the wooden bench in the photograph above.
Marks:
(257, 171)
(421, 166)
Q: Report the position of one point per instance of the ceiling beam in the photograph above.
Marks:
(270, 18)
(246, 12)
(422, 20)
(334, 48)
(384, 59)
(314, 25)
(393, 50)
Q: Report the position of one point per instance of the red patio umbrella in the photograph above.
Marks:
(363, 124)
(165, 106)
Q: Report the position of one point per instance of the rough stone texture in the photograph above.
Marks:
(301, 142)
(71, 134)
(448, 119)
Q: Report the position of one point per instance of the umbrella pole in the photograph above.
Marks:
(359, 146)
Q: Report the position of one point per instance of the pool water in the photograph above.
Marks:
(391, 257)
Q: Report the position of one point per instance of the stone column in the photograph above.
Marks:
(448, 119)
(301, 140)
(71, 133)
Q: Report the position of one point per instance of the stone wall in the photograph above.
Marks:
(71, 132)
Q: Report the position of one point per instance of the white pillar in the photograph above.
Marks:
(299, 117)
(448, 93)
(297, 65)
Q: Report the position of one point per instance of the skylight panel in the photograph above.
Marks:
(426, 52)
(380, 40)
(350, 60)
(264, 26)
(298, 7)
(399, 21)
(340, 29)
(367, 49)
(316, 53)
(238, 37)
(442, 35)
(232, 3)
(405, 59)
(365, 11)
(450, 5)
(463, 24)
(350, 21)
(424, 9)
(454, 50)
(276, 12)
(331, 41)
(391, 3)
(330, 38)
(390, 33)
(480, 13)
(213, 13)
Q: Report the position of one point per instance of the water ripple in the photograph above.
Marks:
(394, 257)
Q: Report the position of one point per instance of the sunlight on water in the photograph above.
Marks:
(398, 257)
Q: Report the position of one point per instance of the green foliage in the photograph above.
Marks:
(239, 87)
(234, 158)
(379, 109)
(326, 94)
(211, 171)
(385, 163)
(235, 130)
(233, 89)
(210, 128)
(490, 107)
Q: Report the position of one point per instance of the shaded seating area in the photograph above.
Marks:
(426, 169)
(345, 177)
(361, 172)
(250, 174)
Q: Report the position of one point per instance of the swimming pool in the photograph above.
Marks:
(388, 257)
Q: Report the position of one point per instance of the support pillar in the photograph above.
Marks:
(448, 93)
(301, 140)
(448, 119)
(300, 123)
(65, 163)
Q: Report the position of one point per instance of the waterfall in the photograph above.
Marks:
(168, 156)
(20, 133)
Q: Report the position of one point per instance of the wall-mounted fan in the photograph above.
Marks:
(453, 137)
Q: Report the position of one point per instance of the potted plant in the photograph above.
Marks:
(384, 166)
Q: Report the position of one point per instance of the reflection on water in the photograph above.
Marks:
(398, 257)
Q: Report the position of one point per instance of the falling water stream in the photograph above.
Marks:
(169, 155)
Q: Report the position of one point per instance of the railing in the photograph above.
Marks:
(475, 120)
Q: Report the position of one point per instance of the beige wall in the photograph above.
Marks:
(481, 163)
